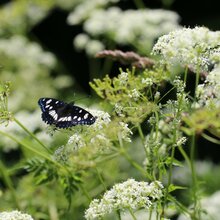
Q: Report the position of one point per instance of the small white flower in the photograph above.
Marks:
(125, 132)
(85, 9)
(14, 215)
(61, 154)
(134, 94)
(208, 93)
(157, 96)
(102, 119)
(80, 41)
(130, 194)
(123, 78)
(94, 46)
(76, 141)
(181, 141)
(119, 110)
(102, 141)
(147, 81)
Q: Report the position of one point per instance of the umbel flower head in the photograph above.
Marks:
(208, 93)
(132, 25)
(130, 194)
(196, 48)
(14, 215)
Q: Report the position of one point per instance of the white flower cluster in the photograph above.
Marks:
(102, 119)
(119, 109)
(210, 208)
(92, 135)
(147, 81)
(135, 27)
(26, 65)
(91, 46)
(86, 7)
(14, 215)
(130, 194)
(123, 78)
(76, 141)
(125, 132)
(60, 154)
(135, 94)
(19, 48)
(208, 93)
(189, 47)
(18, 17)
(101, 140)
(133, 24)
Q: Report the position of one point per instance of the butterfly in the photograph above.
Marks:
(64, 115)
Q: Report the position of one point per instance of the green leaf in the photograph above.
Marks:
(172, 187)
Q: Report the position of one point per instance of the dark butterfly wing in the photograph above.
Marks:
(64, 115)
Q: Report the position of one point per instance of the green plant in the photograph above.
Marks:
(140, 127)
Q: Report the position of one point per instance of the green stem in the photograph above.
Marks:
(35, 151)
(140, 132)
(130, 160)
(184, 154)
(101, 179)
(150, 214)
(118, 214)
(85, 193)
(165, 95)
(211, 139)
(196, 213)
(180, 205)
(9, 184)
(106, 158)
(31, 134)
(196, 83)
(171, 166)
(132, 214)
(142, 137)
(134, 164)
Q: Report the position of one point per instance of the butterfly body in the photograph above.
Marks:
(64, 115)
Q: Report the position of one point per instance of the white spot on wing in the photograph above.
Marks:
(48, 101)
(55, 116)
(52, 113)
(79, 119)
(86, 116)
